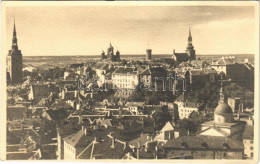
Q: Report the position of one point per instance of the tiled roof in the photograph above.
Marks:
(16, 112)
(43, 91)
(78, 139)
(103, 150)
(104, 122)
(195, 142)
(57, 114)
(143, 139)
(123, 70)
(182, 56)
(225, 61)
(101, 66)
(19, 156)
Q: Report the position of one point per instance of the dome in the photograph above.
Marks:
(223, 109)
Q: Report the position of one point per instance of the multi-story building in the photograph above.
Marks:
(125, 78)
(75, 143)
(203, 147)
(185, 108)
(248, 141)
(14, 62)
(234, 103)
(242, 73)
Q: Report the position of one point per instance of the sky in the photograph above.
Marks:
(87, 30)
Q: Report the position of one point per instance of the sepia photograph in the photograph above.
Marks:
(130, 81)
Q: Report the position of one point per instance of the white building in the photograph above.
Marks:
(223, 124)
(248, 141)
(125, 78)
(75, 143)
(185, 108)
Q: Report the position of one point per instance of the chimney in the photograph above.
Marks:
(75, 93)
(146, 147)
(80, 120)
(155, 153)
(173, 51)
(113, 142)
(138, 150)
(125, 145)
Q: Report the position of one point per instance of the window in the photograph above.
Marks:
(251, 148)
(252, 154)
(251, 141)
(224, 155)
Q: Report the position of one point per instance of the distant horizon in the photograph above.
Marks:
(87, 30)
(140, 55)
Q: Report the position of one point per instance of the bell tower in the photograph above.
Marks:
(14, 61)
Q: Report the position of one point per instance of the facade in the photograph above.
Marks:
(248, 141)
(110, 54)
(75, 143)
(125, 78)
(242, 73)
(185, 108)
(14, 62)
(152, 75)
(203, 147)
(234, 103)
(190, 53)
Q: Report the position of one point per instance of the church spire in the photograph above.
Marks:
(190, 37)
(14, 42)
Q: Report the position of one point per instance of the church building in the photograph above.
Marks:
(14, 62)
(190, 53)
(110, 54)
(223, 124)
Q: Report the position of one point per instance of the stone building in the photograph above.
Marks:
(190, 53)
(14, 62)
(223, 124)
(203, 147)
(110, 54)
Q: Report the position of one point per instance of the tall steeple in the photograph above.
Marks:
(14, 61)
(190, 37)
(14, 41)
(190, 49)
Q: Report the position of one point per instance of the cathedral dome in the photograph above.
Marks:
(223, 109)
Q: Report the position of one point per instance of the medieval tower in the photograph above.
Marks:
(14, 62)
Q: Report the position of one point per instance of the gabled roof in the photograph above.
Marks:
(101, 66)
(147, 71)
(225, 61)
(143, 139)
(78, 139)
(183, 57)
(103, 150)
(167, 127)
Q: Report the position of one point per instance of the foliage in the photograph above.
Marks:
(161, 118)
